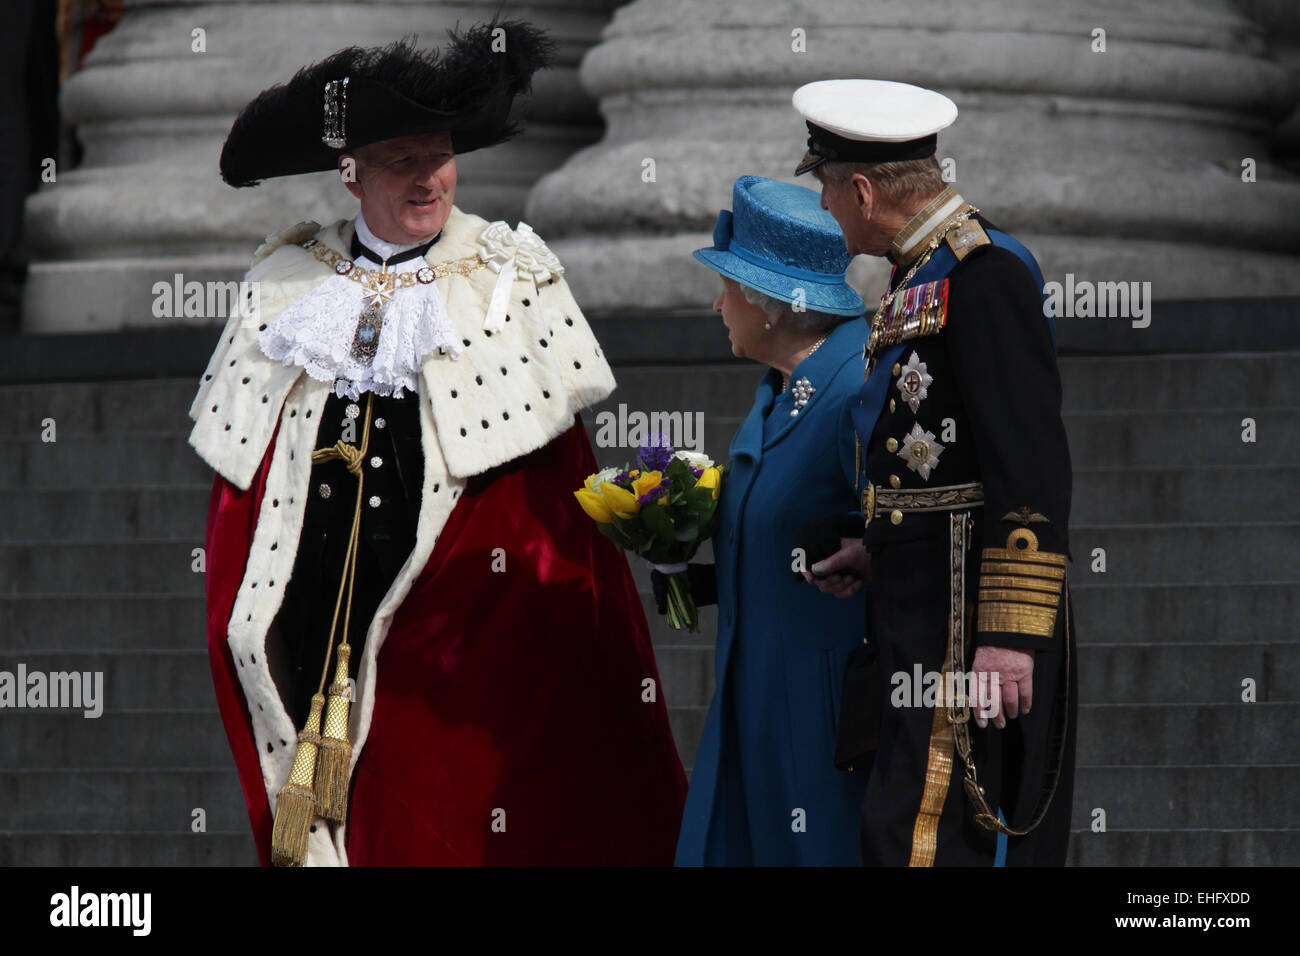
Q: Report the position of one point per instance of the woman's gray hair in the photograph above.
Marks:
(807, 320)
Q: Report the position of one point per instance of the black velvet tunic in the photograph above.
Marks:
(393, 471)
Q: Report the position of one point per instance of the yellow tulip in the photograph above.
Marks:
(594, 505)
(710, 479)
(647, 483)
(622, 502)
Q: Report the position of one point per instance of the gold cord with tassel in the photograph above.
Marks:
(295, 806)
(318, 783)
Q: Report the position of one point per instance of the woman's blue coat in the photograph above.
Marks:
(764, 790)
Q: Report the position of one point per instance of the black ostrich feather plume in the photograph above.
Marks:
(466, 89)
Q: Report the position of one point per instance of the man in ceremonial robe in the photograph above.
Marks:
(423, 651)
(965, 487)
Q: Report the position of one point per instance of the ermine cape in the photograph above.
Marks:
(504, 716)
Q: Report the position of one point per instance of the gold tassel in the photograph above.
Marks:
(295, 805)
(335, 758)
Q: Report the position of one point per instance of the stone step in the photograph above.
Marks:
(80, 462)
(1101, 495)
(50, 740)
(1198, 848)
(1188, 734)
(1137, 734)
(1189, 798)
(1179, 438)
(1168, 439)
(1188, 553)
(1108, 611)
(96, 567)
(1246, 380)
(1188, 673)
(108, 848)
(1169, 495)
(127, 622)
(1108, 674)
(686, 671)
(98, 408)
(105, 514)
(1243, 380)
(123, 800)
(1155, 554)
(687, 724)
(159, 679)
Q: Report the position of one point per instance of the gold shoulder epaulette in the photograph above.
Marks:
(966, 238)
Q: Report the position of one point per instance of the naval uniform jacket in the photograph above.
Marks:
(976, 400)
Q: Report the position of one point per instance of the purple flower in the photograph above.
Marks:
(656, 455)
(655, 492)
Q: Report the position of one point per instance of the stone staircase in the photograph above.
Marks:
(1200, 592)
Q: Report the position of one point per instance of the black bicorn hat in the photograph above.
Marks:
(360, 96)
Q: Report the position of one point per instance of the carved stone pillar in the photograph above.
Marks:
(1117, 165)
(152, 107)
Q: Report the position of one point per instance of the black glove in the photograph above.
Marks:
(703, 580)
(820, 538)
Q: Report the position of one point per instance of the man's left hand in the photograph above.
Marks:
(1004, 684)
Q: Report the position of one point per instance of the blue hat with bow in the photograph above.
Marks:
(776, 238)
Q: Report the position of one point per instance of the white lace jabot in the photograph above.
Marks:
(316, 330)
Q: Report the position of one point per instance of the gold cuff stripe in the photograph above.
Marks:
(1041, 571)
(1049, 585)
(1022, 597)
(1016, 619)
(1027, 555)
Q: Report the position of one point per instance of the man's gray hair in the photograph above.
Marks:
(808, 320)
(899, 182)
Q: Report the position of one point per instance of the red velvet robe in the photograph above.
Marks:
(510, 697)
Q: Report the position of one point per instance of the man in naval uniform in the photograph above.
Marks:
(423, 651)
(965, 489)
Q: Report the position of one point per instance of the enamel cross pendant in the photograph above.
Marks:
(379, 291)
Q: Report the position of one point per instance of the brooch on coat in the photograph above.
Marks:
(800, 391)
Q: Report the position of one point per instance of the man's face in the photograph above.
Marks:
(851, 202)
(406, 186)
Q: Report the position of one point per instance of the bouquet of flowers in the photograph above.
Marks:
(663, 510)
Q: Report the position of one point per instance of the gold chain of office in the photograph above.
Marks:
(382, 281)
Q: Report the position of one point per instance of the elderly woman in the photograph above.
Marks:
(765, 790)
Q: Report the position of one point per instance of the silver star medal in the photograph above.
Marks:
(379, 291)
(920, 450)
(914, 382)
